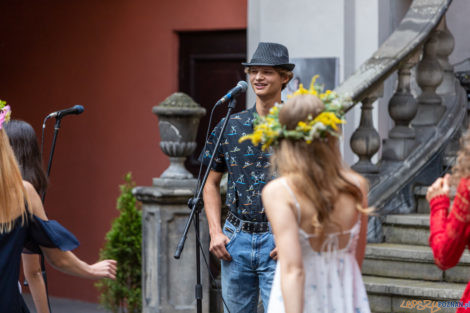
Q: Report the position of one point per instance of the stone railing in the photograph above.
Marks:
(424, 124)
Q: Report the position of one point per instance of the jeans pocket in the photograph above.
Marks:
(230, 231)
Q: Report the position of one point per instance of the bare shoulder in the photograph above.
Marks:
(273, 186)
(28, 187)
(274, 193)
(34, 200)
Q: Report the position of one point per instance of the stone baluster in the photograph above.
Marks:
(365, 141)
(429, 76)
(402, 109)
(444, 49)
(168, 285)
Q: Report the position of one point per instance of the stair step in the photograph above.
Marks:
(421, 220)
(391, 295)
(411, 261)
(406, 253)
(412, 229)
(422, 205)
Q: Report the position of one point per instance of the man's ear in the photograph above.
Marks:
(284, 78)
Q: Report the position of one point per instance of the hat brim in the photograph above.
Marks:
(288, 66)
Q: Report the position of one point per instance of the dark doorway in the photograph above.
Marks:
(209, 66)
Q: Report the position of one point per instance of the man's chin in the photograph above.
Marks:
(261, 93)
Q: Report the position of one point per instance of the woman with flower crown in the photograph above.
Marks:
(25, 147)
(23, 224)
(316, 208)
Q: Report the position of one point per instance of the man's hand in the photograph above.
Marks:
(217, 246)
(439, 187)
(273, 254)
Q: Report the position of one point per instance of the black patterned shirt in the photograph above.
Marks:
(247, 166)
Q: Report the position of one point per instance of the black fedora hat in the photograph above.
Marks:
(271, 54)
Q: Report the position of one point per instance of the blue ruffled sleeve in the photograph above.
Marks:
(49, 234)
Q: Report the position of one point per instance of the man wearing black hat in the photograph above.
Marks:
(245, 243)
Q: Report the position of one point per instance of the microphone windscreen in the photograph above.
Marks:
(79, 108)
(243, 85)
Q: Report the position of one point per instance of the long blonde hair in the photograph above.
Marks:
(461, 168)
(315, 168)
(12, 192)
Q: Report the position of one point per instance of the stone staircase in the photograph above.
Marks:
(400, 272)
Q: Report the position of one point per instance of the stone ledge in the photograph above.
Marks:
(393, 251)
(420, 190)
(408, 219)
(413, 288)
(406, 234)
(400, 252)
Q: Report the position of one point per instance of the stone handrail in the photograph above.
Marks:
(422, 17)
(423, 125)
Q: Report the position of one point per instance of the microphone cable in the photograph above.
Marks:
(42, 135)
(214, 282)
(205, 145)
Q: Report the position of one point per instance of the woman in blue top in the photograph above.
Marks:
(23, 223)
(24, 144)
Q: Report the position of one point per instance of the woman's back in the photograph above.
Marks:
(333, 281)
(344, 217)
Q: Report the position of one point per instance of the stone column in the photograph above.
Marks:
(365, 141)
(402, 108)
(168, 285)
(429, 75)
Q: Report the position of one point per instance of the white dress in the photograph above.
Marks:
(333, 280)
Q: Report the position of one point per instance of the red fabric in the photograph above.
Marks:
(450, 232)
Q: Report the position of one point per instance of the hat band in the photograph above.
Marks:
(269, 61)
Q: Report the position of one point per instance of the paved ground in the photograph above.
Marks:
(61, 305)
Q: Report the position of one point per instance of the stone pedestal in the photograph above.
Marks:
(168, 285)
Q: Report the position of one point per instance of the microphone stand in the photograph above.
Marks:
(195, 204)
(51, 154)
(43, 196)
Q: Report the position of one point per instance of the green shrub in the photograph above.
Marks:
(123, 244)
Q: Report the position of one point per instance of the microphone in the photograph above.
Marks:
(76, 109)
(235, 91)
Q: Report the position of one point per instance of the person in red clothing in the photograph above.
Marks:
(450, 230)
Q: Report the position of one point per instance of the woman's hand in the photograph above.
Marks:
(104, 269)
(70, 264)
(439, 188)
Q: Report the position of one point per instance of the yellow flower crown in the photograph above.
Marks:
(5, 113)
(268, 130)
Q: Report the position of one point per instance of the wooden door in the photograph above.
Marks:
(209, 66)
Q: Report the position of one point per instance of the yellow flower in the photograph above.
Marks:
(328, 119)
(271, 121)
(312, 84)
(256, 137)
(304, 126)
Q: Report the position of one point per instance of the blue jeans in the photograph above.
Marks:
(250, 272)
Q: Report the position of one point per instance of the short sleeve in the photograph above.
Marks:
(219, 163)
(49, 234)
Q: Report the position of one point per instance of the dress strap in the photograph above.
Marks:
(297, 205)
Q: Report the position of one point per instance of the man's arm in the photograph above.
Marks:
(213, 208)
